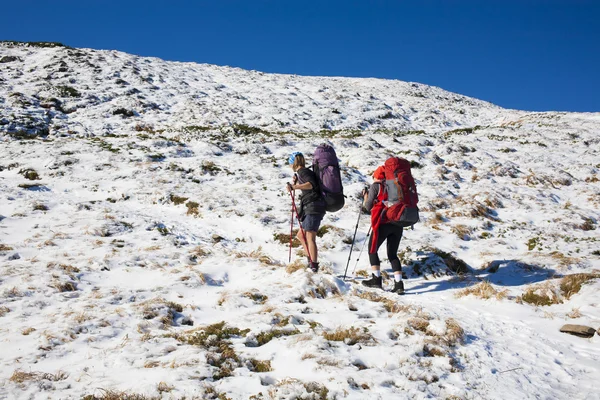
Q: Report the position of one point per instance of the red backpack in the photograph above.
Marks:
(402, 197)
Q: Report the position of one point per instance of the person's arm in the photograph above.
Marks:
(370, 197)
(299, 186)
(302, 186)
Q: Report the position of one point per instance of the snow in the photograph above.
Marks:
(497, 187)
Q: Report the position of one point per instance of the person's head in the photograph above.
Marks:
(379, 174)
(297, 160)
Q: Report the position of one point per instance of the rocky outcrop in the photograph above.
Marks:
(578, 330)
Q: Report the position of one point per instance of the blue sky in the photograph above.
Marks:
(538, 55)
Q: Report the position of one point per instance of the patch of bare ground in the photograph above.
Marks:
(553, 292)
(20, 376)
(350, 336)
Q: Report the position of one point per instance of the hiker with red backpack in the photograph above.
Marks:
(392, 200)
(312, 206)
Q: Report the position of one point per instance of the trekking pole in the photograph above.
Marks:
(353, 237)
(361, 250)
(300, 225)
(291, 233)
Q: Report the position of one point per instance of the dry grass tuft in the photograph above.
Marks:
(159, 307)
(549, 293)
(40, 207)
(544, 294)
(30, 174)
(588, 224)
(563, 260)
(389, 305)
(280, 320)
(324, 229)
(470, 207)
(177, 200)
(4, 310)
(259, 255)
(574, 313)
(213, 394)
(437, 218)
(284, 238)
(297, 265)
(116, 395)
(260, 366)
(493, 201)
(13, 292)
(349, 336)
(571, 284)
(418, 324)
(163, 387)
(454, 264)
(282, 389)
(437, 204)
(199, 251)
(363, 273)
(211, 335)
(256, 297)
(430, 350)
(151, 364)
(192, 208)
(20, 376)
(463, 232)
(4, 247)
(216, 340)
(454, 333)
(65, 286)
(324, 289)
(483, 290)
(265, 337)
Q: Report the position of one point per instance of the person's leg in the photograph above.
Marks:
(311, 225)
(393, 242)
(376, 280)
(311, 238)
(374, 257)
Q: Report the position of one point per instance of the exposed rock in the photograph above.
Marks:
(7, 59)
(578, 330)
(216, 238)
(14, 256)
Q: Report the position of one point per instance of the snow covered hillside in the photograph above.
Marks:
(144, 231)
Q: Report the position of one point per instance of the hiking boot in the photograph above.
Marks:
(398, 287)
(314, 266)
(374, 282)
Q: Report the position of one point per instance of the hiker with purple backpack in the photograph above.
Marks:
(321, 191)
(312, 207)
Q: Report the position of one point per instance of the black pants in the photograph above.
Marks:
(392, 234)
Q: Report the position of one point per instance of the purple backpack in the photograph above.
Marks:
(327, 169)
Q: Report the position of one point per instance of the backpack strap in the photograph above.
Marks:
(382, 194)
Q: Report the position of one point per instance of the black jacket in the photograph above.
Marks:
(311, 201)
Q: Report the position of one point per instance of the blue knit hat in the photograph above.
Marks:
(293, 157)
